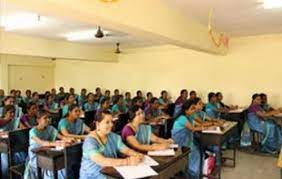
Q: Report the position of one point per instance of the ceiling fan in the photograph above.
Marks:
(101, 34)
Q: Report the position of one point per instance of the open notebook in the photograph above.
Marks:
(140, 171)
(166, 152)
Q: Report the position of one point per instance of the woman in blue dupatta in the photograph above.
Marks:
(11, 100)
(183, 135)
(43, 135)
(72, 125)
(10, 123)
(119, 106)
(260, 121)
(69, 100)
(139, 136)
(212, 108)
(101, 148)
(50, 105)
(91, 104)
(200, 118)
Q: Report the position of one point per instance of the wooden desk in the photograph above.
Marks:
(211, 139)
(167, 168)
(237, 115)
(50, 160)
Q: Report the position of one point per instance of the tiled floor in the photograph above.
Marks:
(252, 167)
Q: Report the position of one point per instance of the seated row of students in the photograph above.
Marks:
(260, 120)
(101, 146)
(190, 120)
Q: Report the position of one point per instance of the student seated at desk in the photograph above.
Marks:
(148, 100)
(180, 101)
(192, 95)
(104, 106)
(265, 105)
(115, 96)
(98, 94)
(119, 107)
(28, 120)
(107, 95)
(139, 94)
(139, 136)
(10, 123)
(182, 98)
(137, 101)
(35, 98)
(10, 100)
(72, 125)
(223, 106)
(91, 104)
(2, 97)
(61, 95)
(82, 98)
(164, 100)
(43, 135)
(101, 148)
(212, 108)
(27, 99)
(50, 105)
(19, 98)
(128, 100)
(69, 100)
(201, 118)
(183, 135)
(260, 121)
(72, 92)
(153, 113)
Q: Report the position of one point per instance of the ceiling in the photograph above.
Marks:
(57, 28)
(236, 17)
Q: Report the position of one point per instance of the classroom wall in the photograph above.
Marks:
(18, 44)
(18, 71)
(253, 64)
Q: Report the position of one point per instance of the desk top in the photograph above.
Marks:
(278, 115)
(48, 152)
(164, 162)
(228, 125)
(239, 110)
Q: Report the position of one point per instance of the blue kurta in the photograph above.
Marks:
(122, 109)
(270, 132)
(143, 134)
(212, 110)
(91, 147)
(183, 137)
(90, 107)
(77, 127)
